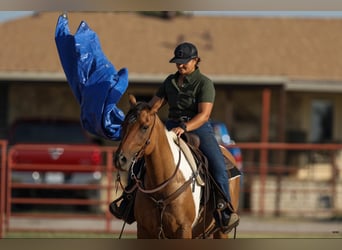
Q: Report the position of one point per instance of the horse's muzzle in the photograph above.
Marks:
(120, 160)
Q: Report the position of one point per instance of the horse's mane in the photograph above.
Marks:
(134, 112)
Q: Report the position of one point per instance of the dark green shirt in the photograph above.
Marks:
(184, 101)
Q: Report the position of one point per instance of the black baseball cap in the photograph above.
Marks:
(184, 52)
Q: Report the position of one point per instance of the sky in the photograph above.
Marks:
(10, 15)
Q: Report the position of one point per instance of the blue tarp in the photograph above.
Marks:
(94, 81)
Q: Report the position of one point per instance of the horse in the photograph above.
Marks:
(167, 202)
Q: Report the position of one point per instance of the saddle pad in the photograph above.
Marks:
(188, 155)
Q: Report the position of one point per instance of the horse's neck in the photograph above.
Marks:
(160, 163)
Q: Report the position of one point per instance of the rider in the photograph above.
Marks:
(190, 96)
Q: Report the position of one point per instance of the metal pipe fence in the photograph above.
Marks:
(279, 179)
(104, 188)
(292, 173)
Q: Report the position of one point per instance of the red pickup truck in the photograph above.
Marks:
(45, 151)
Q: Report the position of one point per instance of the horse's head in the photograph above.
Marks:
(137, 132)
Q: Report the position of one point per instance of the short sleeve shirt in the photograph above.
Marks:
(183, 101)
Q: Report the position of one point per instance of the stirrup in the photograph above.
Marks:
(223, 210)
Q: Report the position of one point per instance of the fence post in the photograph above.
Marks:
(3, 166)
(109, 171)
(266, 100)
(334, 181)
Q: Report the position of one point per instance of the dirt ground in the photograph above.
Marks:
(250, 227)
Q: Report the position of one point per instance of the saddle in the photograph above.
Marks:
(212, 194)
(190, 146)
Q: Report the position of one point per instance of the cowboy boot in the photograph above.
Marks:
(123, 211)
(225, 216)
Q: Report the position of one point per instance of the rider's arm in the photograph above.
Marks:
(204, 112)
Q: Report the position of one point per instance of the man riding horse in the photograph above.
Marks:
(190, 96)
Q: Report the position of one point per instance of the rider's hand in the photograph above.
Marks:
(178, 131)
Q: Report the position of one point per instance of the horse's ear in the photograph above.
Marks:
(156, 106)
(132, 100)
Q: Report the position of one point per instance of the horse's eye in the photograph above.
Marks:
(144, 127)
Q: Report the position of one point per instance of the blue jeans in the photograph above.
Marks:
(210, 148)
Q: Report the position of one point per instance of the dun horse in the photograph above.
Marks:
(168, 199)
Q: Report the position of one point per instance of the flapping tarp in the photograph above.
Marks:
(94, 81)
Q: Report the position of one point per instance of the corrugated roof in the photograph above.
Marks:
(294, 48)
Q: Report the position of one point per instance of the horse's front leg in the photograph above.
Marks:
(143, 233)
